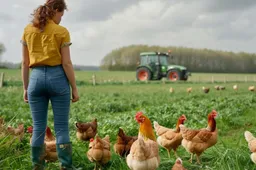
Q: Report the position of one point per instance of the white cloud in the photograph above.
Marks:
(99, 26)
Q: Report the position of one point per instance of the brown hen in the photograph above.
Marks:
(178, 165)
(197, 141)
(206, 89)
(50, 154)
(2, 128)
(86, 131)
(17, 132)
(169, 138)
(189, 90)
(144, 153)
(99, 151)
(251, 88)
(251, 144)
(123, 143)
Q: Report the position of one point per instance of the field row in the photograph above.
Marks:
(122, 76)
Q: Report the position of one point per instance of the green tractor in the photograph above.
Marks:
(155, 66)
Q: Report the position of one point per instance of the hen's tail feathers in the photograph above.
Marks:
(106, 138)
(248, 136)
(76, 125)
(156, 125)
(253, 157)
(121, 132)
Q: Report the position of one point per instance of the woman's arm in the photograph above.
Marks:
(25, 66)
(68, 66)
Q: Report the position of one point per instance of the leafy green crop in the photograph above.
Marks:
(115, 106)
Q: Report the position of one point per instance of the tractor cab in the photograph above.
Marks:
(155, 66)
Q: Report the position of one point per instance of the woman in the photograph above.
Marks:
(46, 51)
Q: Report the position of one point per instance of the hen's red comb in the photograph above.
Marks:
(183, 116)
(138, 114)
(91, 140)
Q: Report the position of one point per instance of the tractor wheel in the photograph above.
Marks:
(173, 75)
(143, 74)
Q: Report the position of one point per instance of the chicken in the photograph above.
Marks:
(50, 154)
(197, 141)
(17, 132)
(86, 131)
(144, 153)
(251, 88)
(99, 151)
(235, 87)
(2, 129)
(178, 165)
(30, 131)
(251, 144)
(123, 143)
(169, 138)
(222, 87)
(217, 87)
(1, 124)
(189, 90)
(206, 90)
(50, 146)
(171, 90)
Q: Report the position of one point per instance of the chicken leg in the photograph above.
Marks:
(191, 158)
(97, 167)
(198, 159)
(168, 151)
(175, 153)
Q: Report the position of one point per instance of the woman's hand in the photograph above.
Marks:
(25, 72)
(75, 96)
(25, 96)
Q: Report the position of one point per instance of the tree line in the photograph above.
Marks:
(196, 60)
(2, 50)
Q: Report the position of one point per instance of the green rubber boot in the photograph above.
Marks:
(65, 156)
(37, 155)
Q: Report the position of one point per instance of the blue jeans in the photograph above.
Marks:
(49, 83)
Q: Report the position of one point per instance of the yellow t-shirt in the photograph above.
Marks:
(44, 47)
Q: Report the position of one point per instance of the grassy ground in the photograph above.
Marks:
(103, 76)
(116, 105)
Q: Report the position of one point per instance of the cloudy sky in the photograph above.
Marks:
(98, 26)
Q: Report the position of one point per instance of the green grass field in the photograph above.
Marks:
(115, 106)
(122, 76)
